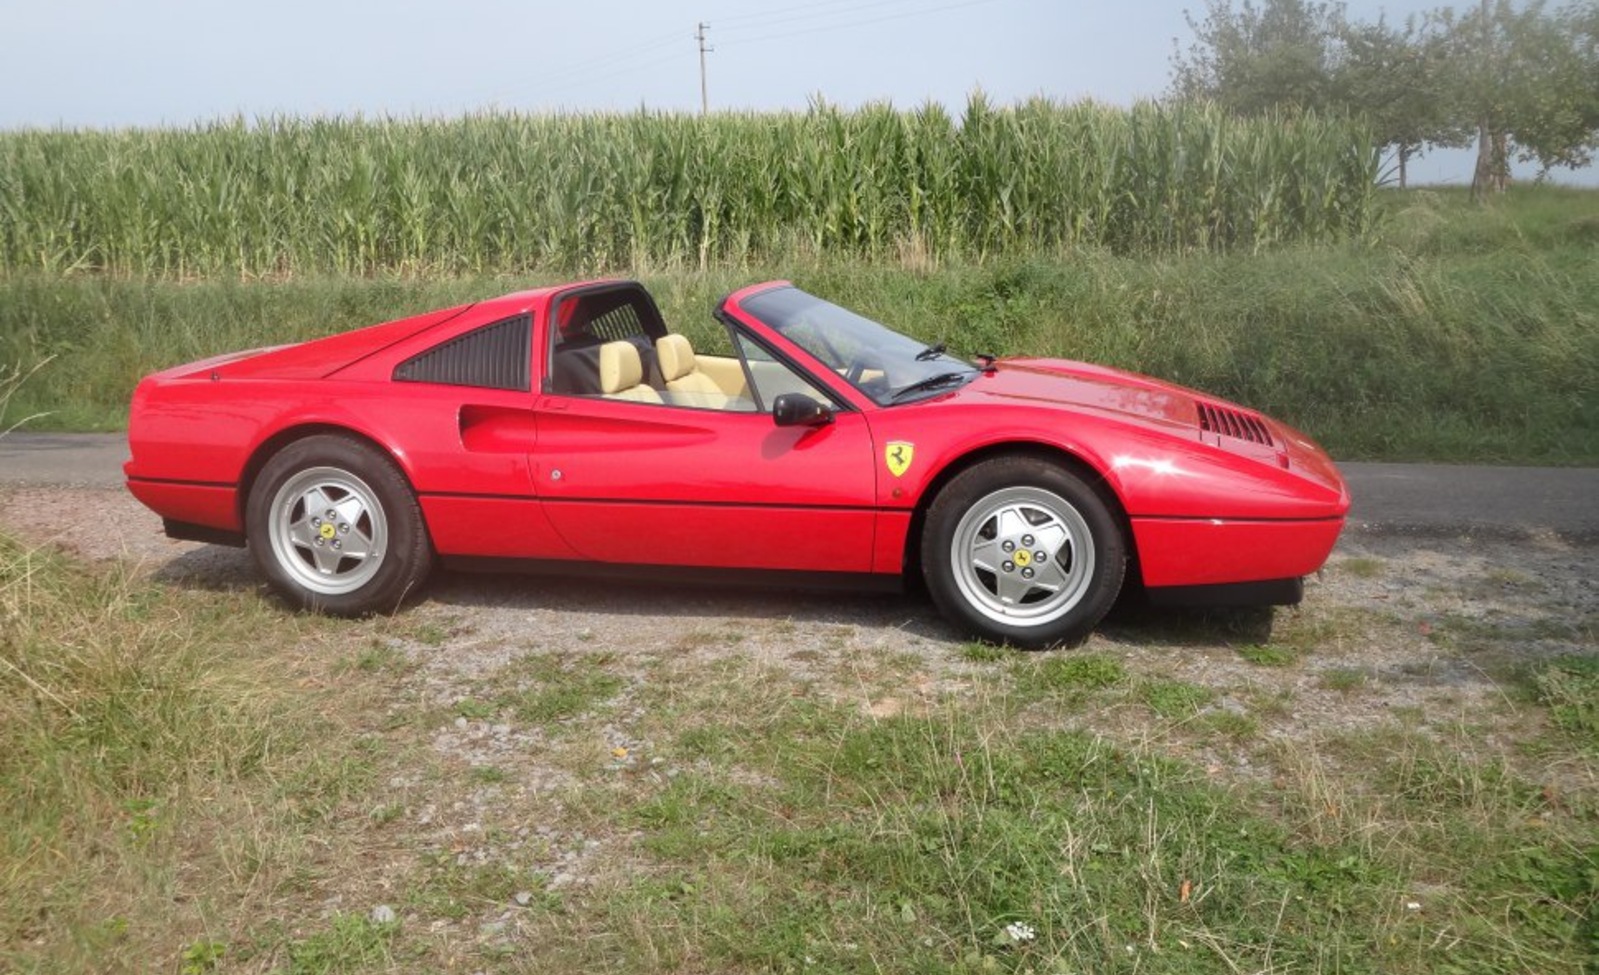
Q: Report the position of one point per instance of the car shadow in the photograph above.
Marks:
(910, 612)
(218, 568)
(1134, 620)
(212, 568)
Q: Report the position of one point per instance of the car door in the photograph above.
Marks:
(663, 484)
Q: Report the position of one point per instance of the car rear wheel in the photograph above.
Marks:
(335, 527)
(1021, 551)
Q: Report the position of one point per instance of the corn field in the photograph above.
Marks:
(512, 193)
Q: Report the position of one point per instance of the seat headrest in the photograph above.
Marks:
(620, 367)
(676, 356)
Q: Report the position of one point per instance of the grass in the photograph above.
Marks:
(179, 799)
(1569, 687)
(157, 769)
(1426, 345)
(1269, 655)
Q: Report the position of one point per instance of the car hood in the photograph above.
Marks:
(1082, 386)
(1170, 410)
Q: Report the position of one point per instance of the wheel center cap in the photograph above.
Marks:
(327, 530)
(1023, 557)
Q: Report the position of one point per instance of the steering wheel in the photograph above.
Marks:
(877, 386)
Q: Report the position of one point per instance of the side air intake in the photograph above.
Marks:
(497, 356)
(1233, 423)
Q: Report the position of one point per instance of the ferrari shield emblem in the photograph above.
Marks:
(898, 456)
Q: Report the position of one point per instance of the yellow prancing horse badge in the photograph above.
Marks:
(898, 456)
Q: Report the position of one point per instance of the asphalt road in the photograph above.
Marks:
(1422, 499)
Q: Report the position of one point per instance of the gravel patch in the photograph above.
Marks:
(1411, 613)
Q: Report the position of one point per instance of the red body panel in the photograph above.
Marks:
(504, 473)
(635, 482)
(201, 504)
(1190, 552)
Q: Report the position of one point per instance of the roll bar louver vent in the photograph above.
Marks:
(1233, 423)
(496, 356)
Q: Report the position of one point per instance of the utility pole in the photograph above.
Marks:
(699, 35)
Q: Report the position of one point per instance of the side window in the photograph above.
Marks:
(495, 356)
(771, 377)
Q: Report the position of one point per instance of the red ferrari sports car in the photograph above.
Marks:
(567, 428)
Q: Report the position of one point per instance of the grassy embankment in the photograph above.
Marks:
(1457, 333)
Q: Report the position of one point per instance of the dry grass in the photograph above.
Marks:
(769, 783)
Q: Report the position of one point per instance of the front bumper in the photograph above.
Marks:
(1217, 551)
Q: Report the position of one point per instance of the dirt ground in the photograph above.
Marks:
(1410, 620)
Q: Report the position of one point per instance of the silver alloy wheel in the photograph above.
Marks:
(1022, 556)
(328, 530)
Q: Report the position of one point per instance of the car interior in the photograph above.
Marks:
(612, 343)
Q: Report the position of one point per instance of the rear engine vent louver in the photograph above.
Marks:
(495, 356)
(1233, 423)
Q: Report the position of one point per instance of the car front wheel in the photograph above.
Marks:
(335, 527)
(1018, 550)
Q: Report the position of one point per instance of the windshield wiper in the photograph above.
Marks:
(931, 352)
(931, 382)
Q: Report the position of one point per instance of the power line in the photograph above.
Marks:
(840, 25)
(789, 14)
(619, 63)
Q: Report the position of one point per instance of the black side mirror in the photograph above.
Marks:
(799, 410)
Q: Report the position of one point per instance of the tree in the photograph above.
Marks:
(1524, 82)
(1528, 81)
(1399, 79)
(1259, 58)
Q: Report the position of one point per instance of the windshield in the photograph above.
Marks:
(880, 362)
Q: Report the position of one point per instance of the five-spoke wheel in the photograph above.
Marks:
(335, 527)
(328, 530)
(1020, 550)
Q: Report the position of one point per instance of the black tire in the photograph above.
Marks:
(367, 558)
(1021, 551)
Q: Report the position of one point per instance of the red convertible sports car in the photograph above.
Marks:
(567, 428)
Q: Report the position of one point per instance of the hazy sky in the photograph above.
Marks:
(107, 63)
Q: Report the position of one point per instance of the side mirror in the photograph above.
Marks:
(799, 410)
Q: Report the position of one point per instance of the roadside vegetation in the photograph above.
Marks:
(1455, 331)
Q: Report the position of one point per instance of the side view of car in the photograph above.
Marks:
(568, 428)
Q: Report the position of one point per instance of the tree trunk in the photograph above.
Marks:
(1404, 155)
(1492, 174)
(1501, 162)
(1482, 178)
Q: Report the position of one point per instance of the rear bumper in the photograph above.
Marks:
(1221, 551)
(204, 506)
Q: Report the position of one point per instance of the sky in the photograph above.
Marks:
(115, 63)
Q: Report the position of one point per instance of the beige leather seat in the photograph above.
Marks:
(685, 383)
(622, 374)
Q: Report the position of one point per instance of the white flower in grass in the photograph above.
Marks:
(1019, 933)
